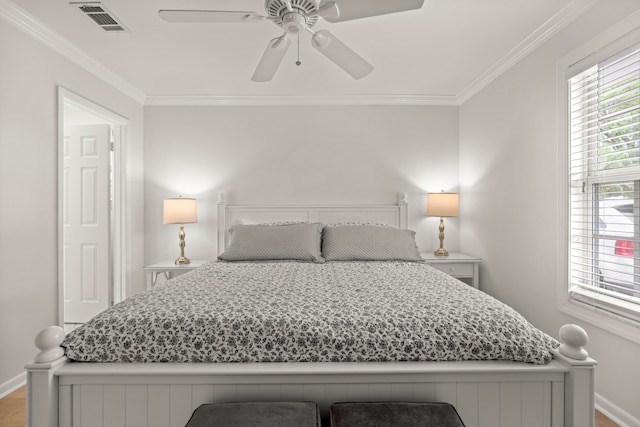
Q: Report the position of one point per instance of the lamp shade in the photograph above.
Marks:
(442, 204)
(179, 210)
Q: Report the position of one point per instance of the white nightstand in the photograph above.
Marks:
(460, 266)
(170, 269)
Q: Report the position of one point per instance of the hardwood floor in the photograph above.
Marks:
(13, 411)
(602, 421)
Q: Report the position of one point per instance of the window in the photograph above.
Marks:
(604, 184)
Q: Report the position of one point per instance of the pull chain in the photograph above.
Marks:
(298, 61)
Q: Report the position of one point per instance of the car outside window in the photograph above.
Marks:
(604, 184)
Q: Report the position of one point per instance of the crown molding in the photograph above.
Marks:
(543, 33)
(32, 27)
(56, 42)
(301, 100)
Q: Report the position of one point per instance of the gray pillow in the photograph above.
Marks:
(369, 243)
(296, 242)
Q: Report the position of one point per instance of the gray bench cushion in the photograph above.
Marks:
(379, 414)
(254, 414)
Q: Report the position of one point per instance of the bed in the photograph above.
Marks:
(341, 333)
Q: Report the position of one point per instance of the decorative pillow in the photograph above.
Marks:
(297, 242)
(369, 243)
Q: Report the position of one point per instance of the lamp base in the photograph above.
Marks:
(183, 260)
(441, 252)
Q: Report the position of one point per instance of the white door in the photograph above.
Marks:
(86, 272)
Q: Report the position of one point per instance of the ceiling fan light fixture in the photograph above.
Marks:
(294, 22)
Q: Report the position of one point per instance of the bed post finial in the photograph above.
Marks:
(48, 341)
(222, 197)
(579, 391)
(402, 198)
(42, 383)
(573, 339)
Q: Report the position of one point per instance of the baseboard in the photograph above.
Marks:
(13, 384)
(615, 413)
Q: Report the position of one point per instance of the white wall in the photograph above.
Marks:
(509, 210)
(272, 155)
(29, 75)
(503, 159)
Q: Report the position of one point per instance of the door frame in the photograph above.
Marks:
(118, 250)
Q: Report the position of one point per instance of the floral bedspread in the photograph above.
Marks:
(306, 312)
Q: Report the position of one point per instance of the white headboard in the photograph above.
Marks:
(229, 215)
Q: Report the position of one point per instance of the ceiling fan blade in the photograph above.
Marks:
(356, 9)
(341, 54)
(209, 16)
(271, 59)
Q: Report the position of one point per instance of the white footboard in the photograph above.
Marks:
(484, 393)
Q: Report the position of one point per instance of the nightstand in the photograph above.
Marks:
(460, 266)
(170, 269)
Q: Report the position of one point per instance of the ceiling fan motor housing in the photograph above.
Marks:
(302, 16)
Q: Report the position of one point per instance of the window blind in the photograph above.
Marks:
(604, 183)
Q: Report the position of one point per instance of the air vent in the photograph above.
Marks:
(100, 15)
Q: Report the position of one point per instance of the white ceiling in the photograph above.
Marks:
(442, 51)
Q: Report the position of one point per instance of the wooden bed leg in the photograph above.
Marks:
(579, 384)
(42, 384)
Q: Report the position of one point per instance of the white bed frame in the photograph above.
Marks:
(485, 393)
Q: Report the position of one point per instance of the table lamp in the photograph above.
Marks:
(442, 205)
(180, 210)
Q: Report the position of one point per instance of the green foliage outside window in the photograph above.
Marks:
(619, 132)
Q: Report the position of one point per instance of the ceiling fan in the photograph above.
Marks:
(295, 17)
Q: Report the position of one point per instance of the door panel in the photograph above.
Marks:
(86, 221)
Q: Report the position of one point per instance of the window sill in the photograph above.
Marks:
(616, 324)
